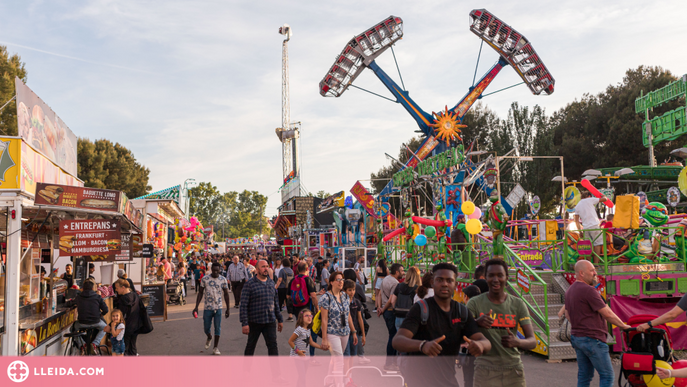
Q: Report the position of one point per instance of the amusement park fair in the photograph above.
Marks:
(641, 265)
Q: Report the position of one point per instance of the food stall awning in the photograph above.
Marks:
(167, 193)
(41, 212)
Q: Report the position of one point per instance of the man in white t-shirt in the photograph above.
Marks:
(586, 218)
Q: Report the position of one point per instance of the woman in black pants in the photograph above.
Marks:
(129, 305)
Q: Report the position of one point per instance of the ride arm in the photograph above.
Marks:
(422, 118)
(475, 92)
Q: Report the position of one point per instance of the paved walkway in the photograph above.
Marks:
(182, 335)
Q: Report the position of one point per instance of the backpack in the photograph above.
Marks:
(424, 312)
(403, 302)
(299, 291)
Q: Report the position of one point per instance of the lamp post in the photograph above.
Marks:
(187, 198)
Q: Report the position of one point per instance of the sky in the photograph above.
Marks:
(193, 88)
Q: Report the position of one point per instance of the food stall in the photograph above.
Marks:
(48, 219)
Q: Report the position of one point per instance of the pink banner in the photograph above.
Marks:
(626, 307)
(154, 371)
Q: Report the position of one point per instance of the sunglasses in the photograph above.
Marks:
(339, 280)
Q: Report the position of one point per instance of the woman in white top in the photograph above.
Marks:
(425, 290)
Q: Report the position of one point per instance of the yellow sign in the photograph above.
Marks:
(21, 167)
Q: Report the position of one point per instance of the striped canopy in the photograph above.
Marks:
(171, 193)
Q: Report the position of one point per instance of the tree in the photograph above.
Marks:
(603, 130)
(11, 66)
(102, 164)
(232, 213)
(322, 194)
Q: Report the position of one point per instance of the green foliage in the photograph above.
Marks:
(11, 66)
(603, 130)
(102, 164)
(232, 213)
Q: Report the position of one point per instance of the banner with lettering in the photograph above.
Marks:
(361, 193)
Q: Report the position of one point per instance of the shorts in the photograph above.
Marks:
(378, 283)
(117, 346)
(595, 236)
(498, 376)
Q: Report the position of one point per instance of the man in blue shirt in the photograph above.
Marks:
(259, 311)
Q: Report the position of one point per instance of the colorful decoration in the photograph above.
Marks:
(447, 126)
(497, 218)
(682, 181)
(420, 240)
(477, 214)
(468, 208)
(473, 226)
(673, 196)
(572, 197)
(586, 184)
(430, 231)
(641, 246)
(535, 205)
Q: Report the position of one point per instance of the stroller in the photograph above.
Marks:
(638, 363)
(175, 293)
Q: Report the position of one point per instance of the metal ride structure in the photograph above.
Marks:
(442, 129)
(288, 133)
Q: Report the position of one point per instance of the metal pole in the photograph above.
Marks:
(562, 190)
(10, 346)
(498, 176)
(650, 136)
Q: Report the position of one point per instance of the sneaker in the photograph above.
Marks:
(374, 310)
(314, 362)
(236, 306)
(391, 368)
(290, 318)
(207, 343)
(216, 351)
(364, 360)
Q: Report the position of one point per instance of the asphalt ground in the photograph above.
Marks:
(182, 335)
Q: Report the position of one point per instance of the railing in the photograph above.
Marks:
(538, 312)
(667, 252)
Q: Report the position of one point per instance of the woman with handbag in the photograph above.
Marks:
(337, 324)
(129, 304)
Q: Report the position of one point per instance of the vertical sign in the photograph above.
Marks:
(364, 197)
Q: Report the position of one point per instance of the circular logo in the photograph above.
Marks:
(18, 371)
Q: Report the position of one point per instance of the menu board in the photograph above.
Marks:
(77, 197)
(156, 303)
(148, 251)
(126, 253)
(136, 246)
(94, 237)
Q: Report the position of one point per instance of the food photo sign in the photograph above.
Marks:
(43, 130)
(95, 237)
(77, 197)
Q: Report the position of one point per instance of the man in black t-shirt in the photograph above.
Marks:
(448, 325)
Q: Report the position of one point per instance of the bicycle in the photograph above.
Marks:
(80, 343)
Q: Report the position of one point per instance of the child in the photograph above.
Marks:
(300, 339)
(357, 316)
(117, 332)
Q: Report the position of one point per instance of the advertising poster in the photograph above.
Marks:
(43, 130)
(77, 197)
(97, 237)
(126, 253)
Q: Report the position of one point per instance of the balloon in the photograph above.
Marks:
(420, 240)
(655, 381)
(430, 231)
(680, 382)
(468, 208)
(475, 215)
(474, 226)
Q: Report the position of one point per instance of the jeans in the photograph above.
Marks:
(351, 350)
(390, 320)
(268, 331)
(208, 317)
(100, 325)
(592, 354)
(313, 336)
(399, 321)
